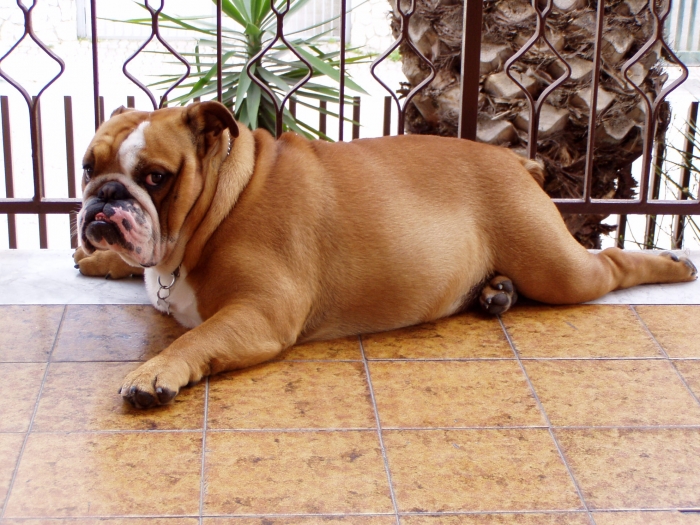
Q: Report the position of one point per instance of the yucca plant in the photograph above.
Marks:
(279, 69)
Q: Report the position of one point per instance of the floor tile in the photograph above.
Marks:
(27, 333)
(478, 470)
(646, 518)
(453, 394)
(107, 475)
(292, 395)
(672, 328)
(103, 521)
(575, 331)
(690, 369)
(19, 388)
(469, 335)
(612, 392)
(306, 520)
(347, 348)
(83, 396)
(635, 468)
(10, 445)
(295, 473)
(558, 518)
(114, 333)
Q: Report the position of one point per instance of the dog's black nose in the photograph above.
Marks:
(113, 191)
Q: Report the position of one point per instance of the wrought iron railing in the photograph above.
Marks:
(646, 203)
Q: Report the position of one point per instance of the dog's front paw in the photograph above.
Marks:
(106, 264)
(154, 383)
(498, 295)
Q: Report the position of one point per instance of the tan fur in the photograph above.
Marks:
(292, 240)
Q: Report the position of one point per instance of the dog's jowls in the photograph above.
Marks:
(282, 241)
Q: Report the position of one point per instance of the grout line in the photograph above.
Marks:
(379, 432)
(120, 431)
(127, 517)
(31, 421)
(312, 430)
(668, 358)
(549, 423)
(397, 360)
(521, 427)
(202, 481)
(360, 429)
(436, 359)
(649, 358)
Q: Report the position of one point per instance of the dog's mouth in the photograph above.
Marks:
(119, 225)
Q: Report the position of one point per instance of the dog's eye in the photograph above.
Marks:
(155, 179)
(87, 173)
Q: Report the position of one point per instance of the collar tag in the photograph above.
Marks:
(164, 290)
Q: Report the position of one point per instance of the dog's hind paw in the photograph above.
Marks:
(690, 268)
(498, 295)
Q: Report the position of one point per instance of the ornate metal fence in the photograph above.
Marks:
(646, 203)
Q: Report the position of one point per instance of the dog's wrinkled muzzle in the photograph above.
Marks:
(113, 219)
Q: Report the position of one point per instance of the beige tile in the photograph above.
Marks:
(10, 446)
(646, 518)
(19, 388)
(103, 521)
(579, 331)
(108, 475)
(114, 333)
(306, 520)
(27, 332)
(469, 335)
(295, 473)
(347, 348)
(690, 369)
(635, 468)
(610, 393)
(453, 394)
(555, 518)
(673, 327)
(478, 470)
(84, 396)
(292, 395)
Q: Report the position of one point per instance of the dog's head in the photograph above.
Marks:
(143, 174)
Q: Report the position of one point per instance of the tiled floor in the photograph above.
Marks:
(569, 415)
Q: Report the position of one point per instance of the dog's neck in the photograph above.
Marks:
(219, 195)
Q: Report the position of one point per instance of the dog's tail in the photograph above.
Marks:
(534, 168)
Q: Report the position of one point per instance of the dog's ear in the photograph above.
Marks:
(120, 110)
(208, 120)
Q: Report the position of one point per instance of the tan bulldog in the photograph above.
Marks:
(257, 244)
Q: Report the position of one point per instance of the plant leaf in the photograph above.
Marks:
(243, 85)
(329, 70)
(252, 103)
(228, 8)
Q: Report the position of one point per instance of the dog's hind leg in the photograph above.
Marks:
(498, 295)
(545, 262)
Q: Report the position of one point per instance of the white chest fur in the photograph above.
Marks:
(182, 300)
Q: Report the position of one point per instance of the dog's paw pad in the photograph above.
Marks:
(165, 395)
(140, 398)
(498, 295)
(152, 384)
(137, 397)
